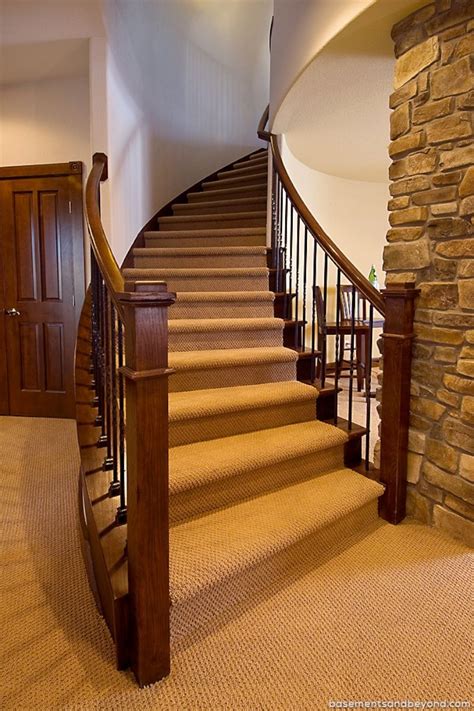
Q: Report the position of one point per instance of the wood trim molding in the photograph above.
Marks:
(41, 171)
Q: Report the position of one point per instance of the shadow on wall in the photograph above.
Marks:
(186, 86)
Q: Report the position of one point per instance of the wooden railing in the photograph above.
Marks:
(125, 453)
(334, 303)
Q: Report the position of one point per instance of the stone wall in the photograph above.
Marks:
(431, 241)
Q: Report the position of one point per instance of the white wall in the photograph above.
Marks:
(352, 212)
(176, 90)
(301, 29)
(186, 84)
(45, 122)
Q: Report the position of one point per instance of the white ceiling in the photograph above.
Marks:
(43, 60)
(336, 116)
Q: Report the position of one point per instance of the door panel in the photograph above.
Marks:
(50, 246)
(24, 240)
(37, 232)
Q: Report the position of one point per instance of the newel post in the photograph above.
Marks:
(146, 373)
(397, 353)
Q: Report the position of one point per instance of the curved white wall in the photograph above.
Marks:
(186, 82)
(352, 212)
(301, 29)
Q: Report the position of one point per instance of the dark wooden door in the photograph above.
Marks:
(41, 251)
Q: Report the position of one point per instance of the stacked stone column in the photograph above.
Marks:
(431, 242)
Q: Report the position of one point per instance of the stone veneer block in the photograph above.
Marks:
(410, 185)
(449, 128)
(427, 197)
(402, 95)
(435, 334)
(415, 60)
(442, 455)
(466, 467)
(449, 482)
(404, 234)
(433, 110)
(438, 295)
(466, 207)
(467, 185)
(445, 208)
(410, 255)
(410, 215)
(407, 144)
(453, 524)
(448, 227)
(466, 510)
(456, 248)
(466, 294)
(400, 121)
(457, 157)
(466, 268)
(457, 78)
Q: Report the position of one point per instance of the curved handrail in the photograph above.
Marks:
(356, 277)
(332, 250)
(105, 258)
(261, 133)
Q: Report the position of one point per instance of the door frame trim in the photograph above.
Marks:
(46, 170)
(74, 171)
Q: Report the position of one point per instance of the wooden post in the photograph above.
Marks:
(397, 352)
(146, 371)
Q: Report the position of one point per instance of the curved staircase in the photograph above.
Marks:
(255, 478)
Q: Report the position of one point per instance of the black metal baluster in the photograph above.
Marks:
(338, 349)
(305, 267)
(280, 235)
(351, 364)
(290, 263)
(101, 366)
(121, 516)
(297, 283)
(285, 248)
(325, 306)
(274, 221)
(114, 489)
(313, 310)
(108, 461)
(368, 386)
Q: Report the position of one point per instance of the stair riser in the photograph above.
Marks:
(254, 482)
(231, 194)
(223, 340)
(223, 183)
(202, 429)
(219, 261)
(203, 283)
(240, 172)
(230, 376)
(230, 241)
(196, 208)
(225, 309)
(207, 608)
(217, 222)
(260, 162)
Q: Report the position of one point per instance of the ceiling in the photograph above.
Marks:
(39, 61)
(336, 116)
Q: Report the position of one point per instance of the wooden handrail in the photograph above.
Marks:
(261, 132)
(351, 272)
(105, 258)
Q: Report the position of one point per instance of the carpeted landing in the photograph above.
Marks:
(385, 615)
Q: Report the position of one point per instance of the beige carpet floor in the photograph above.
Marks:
(387, 617)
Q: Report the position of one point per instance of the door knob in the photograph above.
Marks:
(12, 312)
